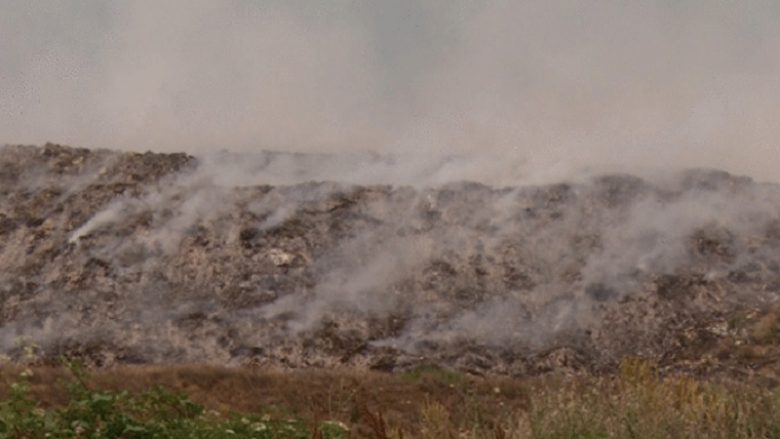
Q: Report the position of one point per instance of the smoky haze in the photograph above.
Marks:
(545, 87)
(467, 176)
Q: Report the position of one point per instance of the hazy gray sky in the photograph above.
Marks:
(663, 83)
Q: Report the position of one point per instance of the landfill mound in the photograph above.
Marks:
(128, 258)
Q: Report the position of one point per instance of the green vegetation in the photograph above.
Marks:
(150, 402)
(154, 413)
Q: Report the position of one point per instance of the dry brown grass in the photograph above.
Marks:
(433, 403)
(356, 398)
(639, 403)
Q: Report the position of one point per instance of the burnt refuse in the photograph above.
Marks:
(127, 258)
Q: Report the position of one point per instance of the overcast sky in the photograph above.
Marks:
(691, 82)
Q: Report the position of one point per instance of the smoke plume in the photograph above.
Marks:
(517, 90)
(445, 179)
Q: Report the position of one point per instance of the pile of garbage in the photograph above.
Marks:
(127, 258)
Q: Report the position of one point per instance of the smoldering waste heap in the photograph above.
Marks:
(125, 258)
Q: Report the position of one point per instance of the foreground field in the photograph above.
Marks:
(190, 401)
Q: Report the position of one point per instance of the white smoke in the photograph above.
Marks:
(535, 89)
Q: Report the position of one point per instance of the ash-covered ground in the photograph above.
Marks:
(124, 258)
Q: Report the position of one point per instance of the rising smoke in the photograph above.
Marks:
(334, 144)
(532, 89)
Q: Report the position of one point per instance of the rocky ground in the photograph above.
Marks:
(125, 258)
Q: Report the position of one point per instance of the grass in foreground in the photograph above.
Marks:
(208, 402)
(153, 413)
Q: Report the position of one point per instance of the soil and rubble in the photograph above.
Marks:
(127, 258)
